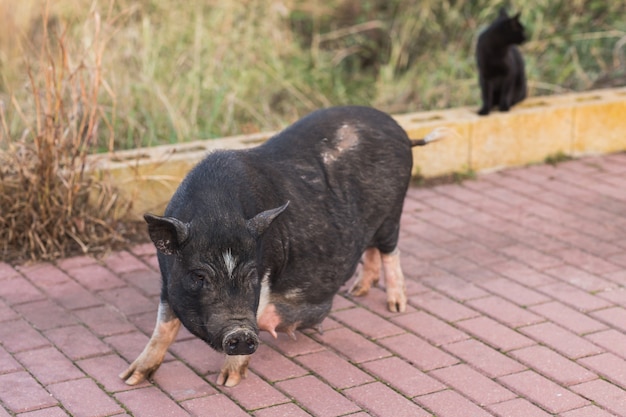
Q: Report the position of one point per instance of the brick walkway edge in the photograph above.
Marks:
(516, 308)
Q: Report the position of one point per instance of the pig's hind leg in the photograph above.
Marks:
(394, 281)
(386, 240)
(369, 274)
(150, 359)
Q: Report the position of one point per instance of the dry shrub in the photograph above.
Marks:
(49, 205)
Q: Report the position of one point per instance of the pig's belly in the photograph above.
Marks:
(288, 317)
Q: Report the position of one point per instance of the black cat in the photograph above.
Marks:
(500, 63)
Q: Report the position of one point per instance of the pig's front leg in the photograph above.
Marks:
(394, 281)
(150, 359)
(235, 368)
(370, 273)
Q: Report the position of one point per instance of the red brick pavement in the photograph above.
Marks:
(517, 307)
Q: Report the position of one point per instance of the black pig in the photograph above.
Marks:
(262, 239)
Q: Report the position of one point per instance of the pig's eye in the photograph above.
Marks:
(197, 279)
(198, 275)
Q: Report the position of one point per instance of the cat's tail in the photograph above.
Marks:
(437, 134)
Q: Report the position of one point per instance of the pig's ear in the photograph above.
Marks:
(167, 233)
(259, 223)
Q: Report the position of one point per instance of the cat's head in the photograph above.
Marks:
(512, 29)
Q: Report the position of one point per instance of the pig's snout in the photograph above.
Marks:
(240, 342)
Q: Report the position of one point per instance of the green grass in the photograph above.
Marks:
(175, 72)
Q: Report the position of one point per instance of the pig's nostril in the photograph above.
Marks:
(252, 344)
(232, 344)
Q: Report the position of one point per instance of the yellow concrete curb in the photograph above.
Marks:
(592, 122)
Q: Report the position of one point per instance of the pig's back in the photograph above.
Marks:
(345, 171)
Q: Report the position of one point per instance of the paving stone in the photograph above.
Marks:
(317, 397)
(561, 340)
(7, 271)
(616, 295)
(20, 392)
(504, 311)
(337, 371)
(417, 351)
(518, 407)
(150, 401)
(588, 411)
(104, 321)
(379, 399)
(614, 316)
(352, 345)
(7, 313)
(128, 300)
(430, 328)
(442, 307)
(604, 394)
(568, 317)
(449, 403)
(474, 385)
(495, 334)
(46, 412)
(105, 370)
(582, 279)
(367, 323)
(95, 277)
(611, 340)
(18, 290)
(75, 262)
(542, 391)
(8, 363)
(180, 382)
(522, 274)
(273, 366)
(18, 335)
(72, 395)
(65, 339)
(484, 358)
(454, 287)
(574, 297)
(253, 393)
(301, 346)
(195, 353)
(401, 376)
(552, 365)
(212, 406)
(514, 292)
(147, 281)
(72, 295)
(586, 261)
(283, 410)
(49, 365)
(608, 365)
(45, 314)
(122, 262)
(531, 257)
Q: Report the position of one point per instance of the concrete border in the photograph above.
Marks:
(592, 122)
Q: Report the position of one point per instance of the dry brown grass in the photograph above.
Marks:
(49, 205)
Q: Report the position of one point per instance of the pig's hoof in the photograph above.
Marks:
(134, 375)
(396, 302)
(362, 287)
(358, 291)
(230, 379)
(234, 370)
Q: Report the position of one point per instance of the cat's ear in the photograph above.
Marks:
(516, 17)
